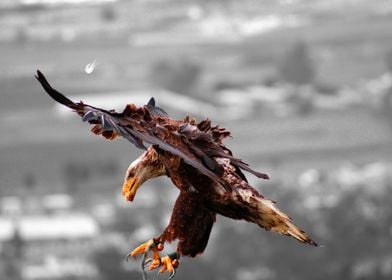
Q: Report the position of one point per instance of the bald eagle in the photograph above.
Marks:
(192, 154)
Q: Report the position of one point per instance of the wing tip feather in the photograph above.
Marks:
(59, 97)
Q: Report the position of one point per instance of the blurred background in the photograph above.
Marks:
(305, 87)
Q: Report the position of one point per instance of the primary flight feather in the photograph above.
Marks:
(192, 154)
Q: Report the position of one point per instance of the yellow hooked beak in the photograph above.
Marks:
(130, 187)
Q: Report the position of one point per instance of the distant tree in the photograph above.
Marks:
(75, 173)
(108, 13)
(180, 75)
(11, 256)
(30, 181)
(106, 168)
(297, 66)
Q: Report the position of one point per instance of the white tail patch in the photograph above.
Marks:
(271, 218)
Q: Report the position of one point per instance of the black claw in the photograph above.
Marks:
(144, 260)
(171, 276)
(127, 257)
(147, 262)
(144, 275)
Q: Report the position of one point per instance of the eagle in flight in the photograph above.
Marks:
(192, 154)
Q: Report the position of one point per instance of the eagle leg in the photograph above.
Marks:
(168, 263)
(150, 245)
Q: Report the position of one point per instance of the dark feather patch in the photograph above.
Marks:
(105, 124)
(89, 116)
(54, 93)
(151, 102)
(246, 167)
(191, 223)
(154, 109)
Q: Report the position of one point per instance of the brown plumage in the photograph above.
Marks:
(193, 156)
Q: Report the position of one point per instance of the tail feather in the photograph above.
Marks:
(271, 218)
(299, 234)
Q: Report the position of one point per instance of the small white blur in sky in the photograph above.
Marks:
(90, 67)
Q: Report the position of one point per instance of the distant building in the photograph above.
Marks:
(52, 246)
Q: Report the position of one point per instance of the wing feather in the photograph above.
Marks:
(54, 93)
(138, 126)
(207, 143)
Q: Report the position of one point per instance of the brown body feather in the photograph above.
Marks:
(190, 223)
(198, 163)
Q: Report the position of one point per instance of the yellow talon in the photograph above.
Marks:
(150, 245)
(154, 264)
(167, 265)
(143, 248)
(163, 268)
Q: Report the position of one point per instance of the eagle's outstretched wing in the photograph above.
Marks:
(196, 145)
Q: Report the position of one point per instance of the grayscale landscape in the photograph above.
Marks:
(304, 86)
